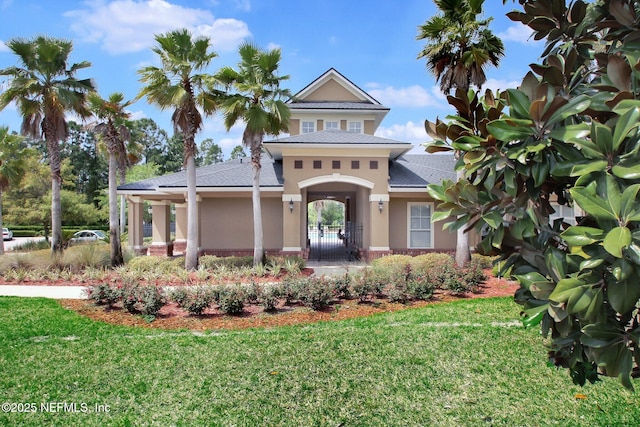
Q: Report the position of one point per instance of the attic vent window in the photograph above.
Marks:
(355, 127)
(373, 164)
(335, 164)
(331, 125)
(297, 164)
(355, 164)
(317, 164)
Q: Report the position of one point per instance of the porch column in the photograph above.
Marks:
(292, 211)
(379, 226)
(180, 242)
(161, 238)
(135, 225)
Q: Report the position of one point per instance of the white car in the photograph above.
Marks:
(7, 234)
(87, 236)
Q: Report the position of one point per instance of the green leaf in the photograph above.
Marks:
(592, 204)
(575, 106)
(571, 133)
(566, 288)
(494, 219)
(533, 316)
(510, 129)
(579, 236)
(623, 295)
(627, 169)
(616, 240)
(600, 335)
(588, 167)
(626, 122)
(519, 103)
(526, 280)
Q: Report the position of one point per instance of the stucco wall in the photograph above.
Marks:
(331, 91)
(227, 223)
(444, 240)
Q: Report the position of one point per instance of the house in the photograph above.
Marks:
(331, 154)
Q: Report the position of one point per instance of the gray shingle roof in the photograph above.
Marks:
(408, 171)
(232, 173)
(418, 170)
(334, 136)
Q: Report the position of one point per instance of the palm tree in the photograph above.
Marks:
(177, 84)
(114, 133)
(458, 49)
(45, 89)
(257, 99)
(12, 164)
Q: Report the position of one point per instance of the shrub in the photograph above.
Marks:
(420, 287)
(179, 295)
(289, 289)
(342, 286)
(362, 287)
(398, 292)
(253, 292)
(154, 264)
(104, 293)
(213, 262)
(391, 263)
(269, 297)
(422, 264)
(232, 299)
(145, 299)
(482, 261)
(198, 299)
(294, 265)
(316, 292)
(88, 255)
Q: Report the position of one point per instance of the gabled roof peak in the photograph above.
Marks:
(335, 75)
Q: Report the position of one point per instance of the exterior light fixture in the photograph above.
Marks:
(291, 205)
(380, 205)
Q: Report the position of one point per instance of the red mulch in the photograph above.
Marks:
(173, 317)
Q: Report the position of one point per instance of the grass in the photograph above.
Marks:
(463, 363)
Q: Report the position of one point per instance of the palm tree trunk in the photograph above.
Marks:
(114, 233)
(463, 254)
(191, 257)
(123, 180)
(256, 152)
(1, 241)
(56, 217)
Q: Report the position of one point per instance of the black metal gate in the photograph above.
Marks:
(334, 243)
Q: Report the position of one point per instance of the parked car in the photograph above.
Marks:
(7, 234)
(87, 236)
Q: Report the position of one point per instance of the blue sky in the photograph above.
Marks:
(372, 43)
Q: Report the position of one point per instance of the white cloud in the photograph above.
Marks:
(518, 33)
(4, 47)
(272, 46)
(502, 85)
(412, 96)
(244, 5)
(408, 132)
(123, 26)
(137, 115)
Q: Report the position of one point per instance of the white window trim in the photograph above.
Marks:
(313, 126)
(355, 121)
(432, 231)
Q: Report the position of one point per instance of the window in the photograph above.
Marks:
(335, 164)
(373, 164)
(565, 212)
(355, 164)
(331, 125)
(419, 225)
(297, 164)
(308, 127)
(355, 127)
(317, 164)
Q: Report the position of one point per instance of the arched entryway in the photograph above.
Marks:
(333, 233)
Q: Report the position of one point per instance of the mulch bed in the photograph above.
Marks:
(173, 317)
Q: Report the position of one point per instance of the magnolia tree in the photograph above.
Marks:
(567, 135)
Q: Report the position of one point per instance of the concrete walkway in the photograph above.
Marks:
(77, 292)
(57, 292)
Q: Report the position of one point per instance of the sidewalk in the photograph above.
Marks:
(57, 292)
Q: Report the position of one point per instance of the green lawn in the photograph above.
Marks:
(463, 363)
